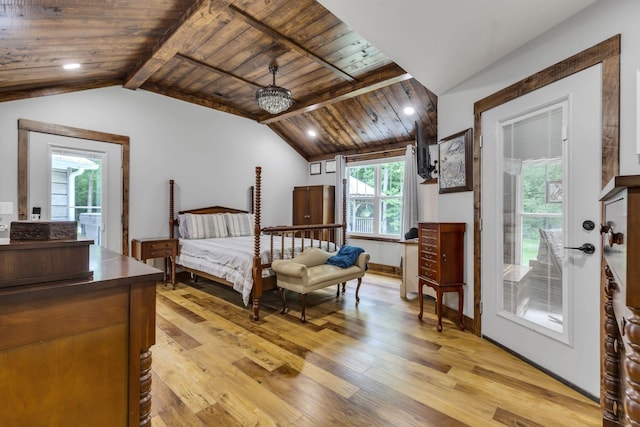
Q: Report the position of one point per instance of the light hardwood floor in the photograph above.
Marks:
(374, 364)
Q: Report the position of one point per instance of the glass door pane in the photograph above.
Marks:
(533, 219)
(76, 190)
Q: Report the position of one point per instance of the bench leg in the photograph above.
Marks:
(283, 300)
(358, 289)
(338, 290)
(303, 306)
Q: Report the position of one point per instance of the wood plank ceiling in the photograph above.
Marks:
(216, 53)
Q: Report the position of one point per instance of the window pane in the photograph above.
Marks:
(375, 198)
(391, 178)
(532, 286)
(364, 182)
(542, 187)
(360, 215)
(390, 216)
(531, 235)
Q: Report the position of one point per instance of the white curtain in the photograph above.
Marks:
(410, 193)
(341, 166)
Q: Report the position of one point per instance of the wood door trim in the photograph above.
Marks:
(606, 53)
(25, 127)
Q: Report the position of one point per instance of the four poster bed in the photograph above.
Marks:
(229, 246)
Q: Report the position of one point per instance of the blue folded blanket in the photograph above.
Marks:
(346, 256)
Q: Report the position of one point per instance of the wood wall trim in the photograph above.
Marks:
(606, 53)
(25, 127)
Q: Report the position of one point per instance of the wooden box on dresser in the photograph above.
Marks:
(77, 351)
(441, 263)
(621, 352)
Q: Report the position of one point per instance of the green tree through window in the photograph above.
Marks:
(375, 198)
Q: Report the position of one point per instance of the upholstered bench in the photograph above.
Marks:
(308, 272)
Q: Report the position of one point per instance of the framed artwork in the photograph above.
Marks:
(455, 161)
(315, 168)
(554, 191)
(330, 166)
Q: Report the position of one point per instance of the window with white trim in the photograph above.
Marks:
(374, 197)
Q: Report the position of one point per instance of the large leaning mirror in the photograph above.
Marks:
(76, 152)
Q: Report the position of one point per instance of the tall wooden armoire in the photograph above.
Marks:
(314, 204)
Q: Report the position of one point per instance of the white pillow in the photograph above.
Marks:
(183, 229)
(205, 226)
(240, 224)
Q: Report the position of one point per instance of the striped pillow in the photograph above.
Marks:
(240, 224)
(206, 226)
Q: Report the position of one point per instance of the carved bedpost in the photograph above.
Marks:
(257, 265)
(344, 211)
(171, 208)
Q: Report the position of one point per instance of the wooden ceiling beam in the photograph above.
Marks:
(289, 43)
(198, 16)
(216, 70)
(60, 88)
(377, 79)
(200, 100)
(374, 152)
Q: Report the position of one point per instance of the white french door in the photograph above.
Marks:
(541, 180)
(63, 186)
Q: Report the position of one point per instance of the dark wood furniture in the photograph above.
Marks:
(25, 262)
(157, 247)
(278, 236)
(44, 230)
(441, 263)
(621, 250)
(313, 204)
(77, 352)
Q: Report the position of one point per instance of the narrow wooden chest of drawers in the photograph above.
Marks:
(441, 263)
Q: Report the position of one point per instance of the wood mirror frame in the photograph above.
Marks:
(25, 127)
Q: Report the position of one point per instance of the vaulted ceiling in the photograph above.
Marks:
(216, 53)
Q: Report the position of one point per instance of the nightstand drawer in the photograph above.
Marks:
(161, 244)
(159, 253)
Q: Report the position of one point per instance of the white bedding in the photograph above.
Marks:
(231, 258)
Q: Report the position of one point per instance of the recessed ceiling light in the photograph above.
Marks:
(72, 66)
(312, 133)
(409, 110)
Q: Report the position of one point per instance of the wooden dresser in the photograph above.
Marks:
(621, 341)
(441, 263)
(77, 351)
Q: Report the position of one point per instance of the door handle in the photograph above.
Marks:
(587, 248)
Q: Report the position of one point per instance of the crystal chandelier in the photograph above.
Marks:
(272, 98)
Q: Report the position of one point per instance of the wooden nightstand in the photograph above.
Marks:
(157, 247)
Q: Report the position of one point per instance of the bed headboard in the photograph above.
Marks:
(173, 218)
(256, 201)
(212, 210)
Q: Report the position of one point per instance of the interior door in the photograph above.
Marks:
(541, 180)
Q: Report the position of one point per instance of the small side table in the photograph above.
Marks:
(157, 247)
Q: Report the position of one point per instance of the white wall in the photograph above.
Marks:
(590, 27)
(210, 154)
